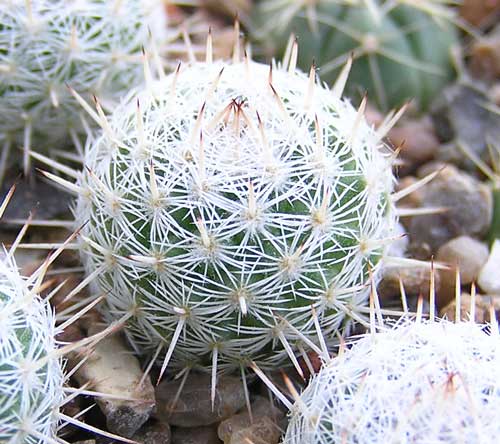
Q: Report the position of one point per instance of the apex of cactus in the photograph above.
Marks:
(227, 201)
(413, 381)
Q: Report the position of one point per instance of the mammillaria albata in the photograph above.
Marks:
(414, 381)
(226, 202)
(33, 381)
(93, 46)
(31, 375)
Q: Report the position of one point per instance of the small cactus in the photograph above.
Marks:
(33, 383)
(31, 374)
(413, 382)
(93, 46)
(223, 202)
(402, 47)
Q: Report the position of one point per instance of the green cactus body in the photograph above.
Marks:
(402, 50)
(31, 376)
(219, 208)
(93, 46)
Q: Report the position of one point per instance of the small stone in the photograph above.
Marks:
(460, 115)
(480, 12)
(194, 406)
(469, 209)
(154, 433)
(412, 200)
(485, 56)
(429, 168)
(414, 301)
(233, 8)
(112, 369)
(310, 364)
(195, 435)
(495, 93)
(418, 141)
(482, 314)
(34, 196)
(489, 276)
(469, 255)
(265, 428)
(416, 281)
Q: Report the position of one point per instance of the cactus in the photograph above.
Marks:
(33, 383)
(31, 375)
(415, 381)
(94, 46)
(224, 201)
(402, 47)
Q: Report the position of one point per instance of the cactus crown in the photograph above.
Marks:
(226, 200)
(31, 376)
(419, 382)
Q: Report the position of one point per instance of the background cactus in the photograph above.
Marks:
(223, 202)
(94, 46)
(402, 47)
(31, 375)
(416, 382)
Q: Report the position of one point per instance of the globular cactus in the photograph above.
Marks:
(31, 374)
(413, 382)
(93, 46)
(402, 47)
(223, 202)
(33, 382)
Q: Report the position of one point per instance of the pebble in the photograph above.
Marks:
(482, 314)
(414, 199)
(112, 369)
(494, 93)
(194, 407)
(429, 168)
(489, 276)
(478, 12)
(265, 428)
(459, 114)
(195, 435)
(414, 301)
(42, 199)
(469, 204)
(416, 281)
(154, 433)
(469, 255)
(416, 137)
(485, 56)
(233, 8)
(418, 140)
